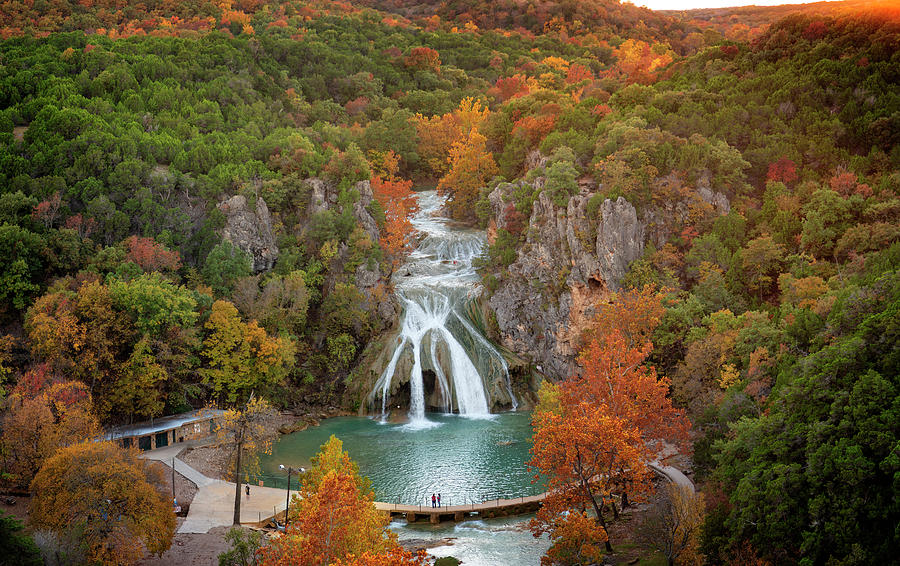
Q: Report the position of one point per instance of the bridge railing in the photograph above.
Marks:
(422, 501)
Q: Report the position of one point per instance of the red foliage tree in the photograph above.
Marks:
(577, 73)
(357, 105)
(46, 211)
(150, 255)
(815, 30)
(83, 226)
(509, 87)
(784, 170)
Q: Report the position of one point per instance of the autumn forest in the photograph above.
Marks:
(692, 227)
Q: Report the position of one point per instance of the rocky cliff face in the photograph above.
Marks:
(370, 278)
(569, 261)
(250, 229)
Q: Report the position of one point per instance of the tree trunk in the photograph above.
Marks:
(624, 499)
(587, 491)
(600, 520)
(237, 484)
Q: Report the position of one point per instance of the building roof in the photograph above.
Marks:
(162, 424)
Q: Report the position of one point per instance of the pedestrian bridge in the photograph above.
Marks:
(499, 507)
(483, 510)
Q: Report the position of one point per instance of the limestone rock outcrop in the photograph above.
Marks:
(570, 260)
(249, 228)
(370, 278)
(620, 240)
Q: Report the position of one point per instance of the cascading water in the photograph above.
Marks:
(435, 282)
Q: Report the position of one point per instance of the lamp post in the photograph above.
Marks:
(287, 498)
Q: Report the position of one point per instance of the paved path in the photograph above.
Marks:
(674, 475)
(168, 454)
(213, 504)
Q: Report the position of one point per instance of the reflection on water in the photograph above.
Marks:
(491, 542)
(465, 460)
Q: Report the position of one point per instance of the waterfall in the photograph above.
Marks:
(436, 281)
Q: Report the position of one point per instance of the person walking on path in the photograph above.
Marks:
(247, 490)
(439, 500)
(433, 501)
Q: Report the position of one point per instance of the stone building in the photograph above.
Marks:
(157, 433)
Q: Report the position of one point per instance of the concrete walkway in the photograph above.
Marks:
(674, 475)
(213, 504)
(169, 454)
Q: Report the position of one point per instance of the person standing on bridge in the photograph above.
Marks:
(433, 501)
(439, 500)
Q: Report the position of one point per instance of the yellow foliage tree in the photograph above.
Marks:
(241, 357)
(674, 525)
(247, 433)
(437, 134)
(728, 376)
(471, 167)
(108, 497)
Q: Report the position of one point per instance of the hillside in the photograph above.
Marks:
(205, 203)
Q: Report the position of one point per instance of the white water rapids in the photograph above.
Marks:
(437, 280)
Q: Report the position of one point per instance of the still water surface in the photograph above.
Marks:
(463, 459)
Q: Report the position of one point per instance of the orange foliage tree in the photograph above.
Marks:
(595, 433)
(394, 557)
(334, 519)
(576, 539)
(44, 414)
(396, 198)
(635, 313)
(424, 58)
(639, 61)
(108, 498)
(577, 73)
